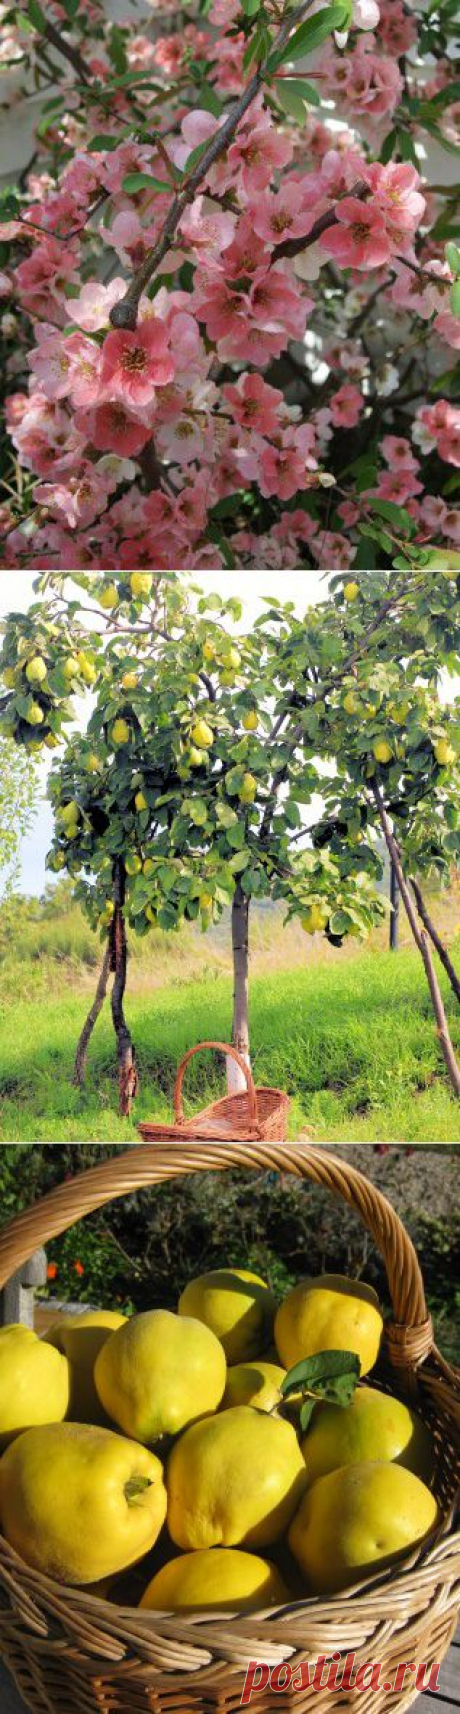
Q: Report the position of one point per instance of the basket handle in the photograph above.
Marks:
(230, 1052)
(410, 1334)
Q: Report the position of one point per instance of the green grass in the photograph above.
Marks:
(352, 1040)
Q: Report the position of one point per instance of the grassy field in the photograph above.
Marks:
(350, 1035)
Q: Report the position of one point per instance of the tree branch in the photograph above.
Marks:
(422, 944)
(124, 313)
(435, 937)
(293, 246)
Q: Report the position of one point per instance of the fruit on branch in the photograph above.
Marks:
(315, 919)
(35, 716)
(247, 789)
(250, 720)
(133, 865)
(140, 802)
(202, 735)
(120, 732)
(71, 667)
(382, 751)
(444, 753)
(70, 811)
(108, 598)
(141, 583)
(35, 671)
(129, 681)
(349, 703)
(351, 591)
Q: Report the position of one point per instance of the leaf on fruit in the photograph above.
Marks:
(330, 1376)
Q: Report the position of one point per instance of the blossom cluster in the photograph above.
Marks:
(271, 338)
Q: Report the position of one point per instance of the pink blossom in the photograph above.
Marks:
(286, 213)
(398, 485)
(283, 466)
(359, 239)
(346, 406)
(133, 364)
(255, 153)
(91, 310)
(398, 453)
(110, 428)
(254, 404)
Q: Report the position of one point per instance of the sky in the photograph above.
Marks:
(16, 595)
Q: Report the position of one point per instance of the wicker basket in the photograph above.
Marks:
(254, 1115)
(72, 1653)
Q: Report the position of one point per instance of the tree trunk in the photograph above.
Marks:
(422, 944)
(435, 937)
(394, 901)
(240, 1026)
(127, 1073)
(79, 1071)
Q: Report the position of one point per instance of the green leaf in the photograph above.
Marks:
(37, 17)
(117, 49)
(194, 159)
(144, 181)
(312, 33)
(328, 1375)
(453, 257)
(393, 514)
(251, 7)
(455, 298)
(306, 1414)
(388, 146)
(301, 87)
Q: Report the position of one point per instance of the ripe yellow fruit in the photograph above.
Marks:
(150, 914)
(159, 1373)
(349, 703)
(238, 1307)
(351, 591)
(227, 677)
(70, 811)
(80, 1338)
(358, 1520)
(129, 681)
(133, 865)
(9, 677)
(147, 866)
(108, 597)
(35, 670)
(444, 753)
(71, 829)
(400, 712)
(71, 667)
(374, 1425)
(250, 720)
(315, 919)
(236, 1478)
(202, 735)
(205, 901)
(34, 1382)
(196, 757)
(140, 801)
(208, 651)
(382, 751)
(92, 763)
(218, 1578)
(330, 1313)
(79, 1502)
(247, 789)
(35, 716)
(141, 583)
(231, 660)
(51, 742)
(120, 732)
(109, 909)
(256, 1384)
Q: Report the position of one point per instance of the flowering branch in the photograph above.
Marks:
(292, 246)
(124, 313)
